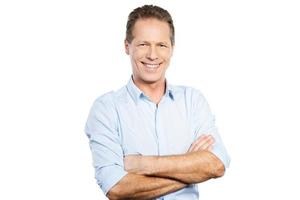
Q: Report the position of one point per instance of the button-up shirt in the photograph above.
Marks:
(127, 122)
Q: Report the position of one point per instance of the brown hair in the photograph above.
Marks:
(149, 11)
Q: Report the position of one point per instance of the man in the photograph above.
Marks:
(151, 139)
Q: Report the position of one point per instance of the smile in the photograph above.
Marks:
(149, 65)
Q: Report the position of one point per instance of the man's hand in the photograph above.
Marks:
(132, 163)
(204, 142)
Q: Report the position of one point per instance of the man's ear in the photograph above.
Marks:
(126, 44)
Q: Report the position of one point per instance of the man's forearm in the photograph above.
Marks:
(134, 186)
(194, 167)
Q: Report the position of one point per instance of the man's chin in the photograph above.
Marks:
(149, 78)
(152, 80)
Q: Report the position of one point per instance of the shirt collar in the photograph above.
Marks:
(137, 94)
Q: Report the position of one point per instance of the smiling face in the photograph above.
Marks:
(150, 51)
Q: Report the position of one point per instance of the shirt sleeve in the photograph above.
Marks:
(204, 123)
(104, 140)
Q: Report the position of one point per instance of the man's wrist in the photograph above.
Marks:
(148, 164)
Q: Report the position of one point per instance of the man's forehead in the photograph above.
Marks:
(151, 30)
(150, 21)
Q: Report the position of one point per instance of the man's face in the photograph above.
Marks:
(150, 50)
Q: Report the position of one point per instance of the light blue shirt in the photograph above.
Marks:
(128, 122)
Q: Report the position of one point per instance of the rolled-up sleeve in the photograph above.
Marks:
(102, 131)
(204, 123)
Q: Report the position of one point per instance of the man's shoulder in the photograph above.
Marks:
(186, 91)
(105, 97)
(111, 96)
(103, 102)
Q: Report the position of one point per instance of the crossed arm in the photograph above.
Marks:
(154, 176)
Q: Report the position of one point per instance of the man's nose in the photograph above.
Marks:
(152, 53)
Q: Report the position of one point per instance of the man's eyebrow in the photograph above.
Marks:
(163, 42)
(143, 41)
(149, 42)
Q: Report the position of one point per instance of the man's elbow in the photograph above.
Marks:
(120, 191)
(113, 196)
(114, 193)
(123, 189)
(219, 169)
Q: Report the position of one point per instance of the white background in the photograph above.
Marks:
(57, 56)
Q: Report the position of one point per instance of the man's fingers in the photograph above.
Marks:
(195, 143)
(204, 142)
(204, 146)
(207, 144)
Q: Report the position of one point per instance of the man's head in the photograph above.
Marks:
(146, 12)
(149, 43)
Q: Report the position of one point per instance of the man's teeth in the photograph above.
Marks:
(152, 65)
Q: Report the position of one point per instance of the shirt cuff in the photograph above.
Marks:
(109, 176)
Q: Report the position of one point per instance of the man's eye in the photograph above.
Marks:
(162, 45)
(142, 44)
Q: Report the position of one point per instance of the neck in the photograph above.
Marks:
(154, 91)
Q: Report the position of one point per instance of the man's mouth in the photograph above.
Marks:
(151, 65)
